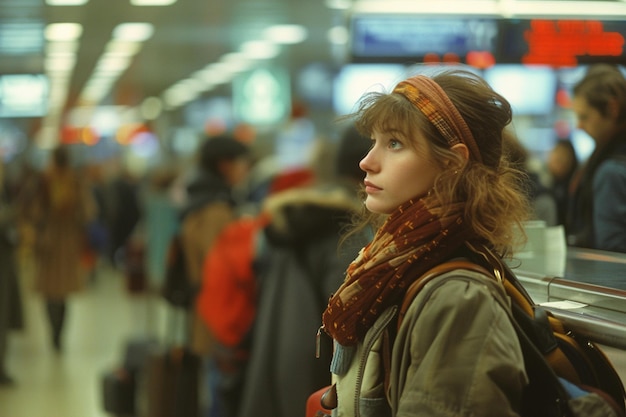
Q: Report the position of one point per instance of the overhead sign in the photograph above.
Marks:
(482, 42)
(561, 42)
(400, 38)
(262, 96)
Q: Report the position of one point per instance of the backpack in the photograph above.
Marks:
(178, 289)
(559, 361)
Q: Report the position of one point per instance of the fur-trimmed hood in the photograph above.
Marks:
(301, 215)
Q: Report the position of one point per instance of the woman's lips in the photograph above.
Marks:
(370, 187)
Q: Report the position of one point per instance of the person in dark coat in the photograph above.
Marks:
(300, 262)
(597, 213)
(223, 164)
(11, 316)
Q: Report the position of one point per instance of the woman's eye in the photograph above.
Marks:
(394, 144)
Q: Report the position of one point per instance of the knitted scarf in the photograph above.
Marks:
(413, 239)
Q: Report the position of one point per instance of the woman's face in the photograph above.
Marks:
(396, 170)
(600, 128)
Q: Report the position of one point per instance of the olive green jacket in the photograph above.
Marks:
(455, 354)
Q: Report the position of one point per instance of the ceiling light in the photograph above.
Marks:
(338, 35)
(235, 62)
(285, 34)
(509, 9)
(152, 2)
(137, 32)
(338, 4)
(59, 64)
(151, 108)
(112, 63)
(63, 31)
(61, 47)
(120, 47)
(66, 2)
(260, 49)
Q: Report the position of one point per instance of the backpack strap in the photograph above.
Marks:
(547, 394)
(434, 272)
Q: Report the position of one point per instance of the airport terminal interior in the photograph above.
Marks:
(132, 87)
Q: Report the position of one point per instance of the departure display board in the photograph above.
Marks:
(482, 42)
(561, 43)
(402, 38)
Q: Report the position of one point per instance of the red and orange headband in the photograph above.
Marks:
(434, 103)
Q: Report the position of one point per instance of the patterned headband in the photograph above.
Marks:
(434, 103)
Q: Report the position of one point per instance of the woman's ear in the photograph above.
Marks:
(462, 150)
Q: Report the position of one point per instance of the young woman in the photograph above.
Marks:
(597, 217)
(436, 179)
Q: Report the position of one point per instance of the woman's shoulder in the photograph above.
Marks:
(460, 291)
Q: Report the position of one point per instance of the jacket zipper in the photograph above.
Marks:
(368, 343)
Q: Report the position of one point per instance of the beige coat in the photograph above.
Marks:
(199, 230)
(62, 210)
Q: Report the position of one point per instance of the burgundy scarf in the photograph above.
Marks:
(413, 239)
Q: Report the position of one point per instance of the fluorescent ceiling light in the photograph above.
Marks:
(446, 7)
(338, 35)
(285, 34)
(506, 8)
(120, 47)
(211, 76)
(151, 108)
(152, 2)
(137, 32)
(235, 62)
(338, 4)
(564, 9)
(116, 63)
(260, 49)
(61, 47)
(66, 2)
(59, 64)
(63, 31)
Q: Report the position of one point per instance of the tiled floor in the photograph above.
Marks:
(100, 320)
(67, 384)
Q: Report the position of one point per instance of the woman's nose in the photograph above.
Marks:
(366, 163)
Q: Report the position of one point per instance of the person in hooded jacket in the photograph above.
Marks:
(223, 163)
(300, 260)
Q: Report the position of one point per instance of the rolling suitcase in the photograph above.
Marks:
(119, 385)
(118, 388)
(170, 382)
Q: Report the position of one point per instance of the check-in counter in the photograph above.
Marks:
(584, 288)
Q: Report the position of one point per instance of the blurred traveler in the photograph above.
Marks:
(299, 261)
(160, 220)
(562, 163)
(597, 216)
(11, 316)
(210, 205)
(123, 211)
(63, 210)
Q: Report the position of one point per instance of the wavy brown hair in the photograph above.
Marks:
(493, 190)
